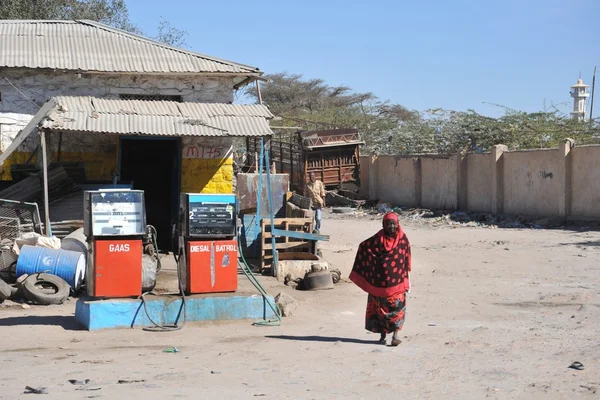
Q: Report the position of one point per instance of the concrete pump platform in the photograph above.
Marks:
(166, 307)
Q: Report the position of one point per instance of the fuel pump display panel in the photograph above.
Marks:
(210, 215)
(115, 213)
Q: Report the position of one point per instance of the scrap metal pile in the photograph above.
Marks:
(45, 270)
(33, 267)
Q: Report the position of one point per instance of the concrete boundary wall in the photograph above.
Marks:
(563, 182)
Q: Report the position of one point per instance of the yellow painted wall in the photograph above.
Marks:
(207, 175)
(98, 167)
(197, 175)
(15, 158)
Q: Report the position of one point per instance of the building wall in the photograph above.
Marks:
(206, 165)
(439, 183)
(531, 185)
(479, 182)
(37, 87)
(585, 181)
(396, 179)
(563, 182)
(209, 172)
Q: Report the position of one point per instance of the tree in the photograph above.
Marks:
(449, 132)
(313, 104)
(393, 129)
(109, 12)
(170, 35)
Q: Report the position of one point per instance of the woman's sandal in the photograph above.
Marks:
(382, 339)
(577, 366)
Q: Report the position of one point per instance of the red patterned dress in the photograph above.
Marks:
(381, 269)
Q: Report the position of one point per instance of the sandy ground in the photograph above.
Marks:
(494, 313)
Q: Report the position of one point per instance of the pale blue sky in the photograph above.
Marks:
(454, 54)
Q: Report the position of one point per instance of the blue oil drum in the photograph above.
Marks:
(69, 265)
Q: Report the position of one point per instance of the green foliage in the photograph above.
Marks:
(442, 131)
(393, 129)
(109, 12)
(170, 35)
(312, 104)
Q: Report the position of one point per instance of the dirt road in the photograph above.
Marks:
(493, 313)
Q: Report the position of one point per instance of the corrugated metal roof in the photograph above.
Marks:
(92, 46)
(165, 118)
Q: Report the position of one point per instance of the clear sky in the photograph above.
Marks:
(454, 54)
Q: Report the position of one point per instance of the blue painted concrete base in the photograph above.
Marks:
(128, 313)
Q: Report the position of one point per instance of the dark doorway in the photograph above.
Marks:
(152, 165)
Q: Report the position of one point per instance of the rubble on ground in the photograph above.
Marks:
(286, 304)
(460, 218)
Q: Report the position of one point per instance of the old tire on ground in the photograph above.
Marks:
(16, 292)
(45, 289)
(318, 280)
(336, 275)
(5, 290)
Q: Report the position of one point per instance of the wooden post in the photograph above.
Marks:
(292, 177)
(45, 173)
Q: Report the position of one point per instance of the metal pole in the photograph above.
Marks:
(45, 171)
(592, 102)
(260, 165)
(258, 217)
(270, 204)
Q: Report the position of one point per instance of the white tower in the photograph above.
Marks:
(579, 93)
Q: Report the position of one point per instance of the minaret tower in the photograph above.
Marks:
(579, 93)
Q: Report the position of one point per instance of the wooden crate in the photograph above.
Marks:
(285, 244)
(293, 211)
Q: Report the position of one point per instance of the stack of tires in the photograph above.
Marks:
(40, 288)
(45, 275)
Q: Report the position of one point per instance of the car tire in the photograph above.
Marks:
(5, 290)
(45, 289)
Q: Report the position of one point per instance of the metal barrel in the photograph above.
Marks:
(68, 265)
(75, 241)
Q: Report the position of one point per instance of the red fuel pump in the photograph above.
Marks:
(115, 226)
(208, 249)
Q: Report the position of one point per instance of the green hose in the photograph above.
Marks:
(250, 275)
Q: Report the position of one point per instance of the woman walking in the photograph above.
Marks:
(381, 268)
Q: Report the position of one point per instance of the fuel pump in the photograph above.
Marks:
(206, 239)
(115, 226)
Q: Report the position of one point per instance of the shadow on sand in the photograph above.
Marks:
(326, 339)
(67, 323)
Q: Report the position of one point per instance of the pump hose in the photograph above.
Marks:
(168, 327)
(154, 234)
(250, 275)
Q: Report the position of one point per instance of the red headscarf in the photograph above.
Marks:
(389, 243)
(382, 263)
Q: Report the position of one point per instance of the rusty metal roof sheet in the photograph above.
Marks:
(164, 118)
(330, 138)
(92, 46)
